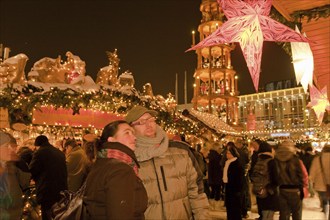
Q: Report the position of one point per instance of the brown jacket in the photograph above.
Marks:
(77, 165)
(113, 191)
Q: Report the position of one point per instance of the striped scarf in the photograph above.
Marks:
(121, 156)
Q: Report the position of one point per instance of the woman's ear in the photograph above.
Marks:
(111, 139)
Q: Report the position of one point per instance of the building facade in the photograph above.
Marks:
(282, 110)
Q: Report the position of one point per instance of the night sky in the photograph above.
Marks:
(151, 37)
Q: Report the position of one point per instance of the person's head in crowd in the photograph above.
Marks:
(118, 131)
(90, 149)
(326, 148)
(239, 143)
(41, 141)
(254, 145)
(307, 147)
(285, 150)
(231, 150)
(217, 146)
(30, 144)
(25, 153)
(69, 145)
(264, 147)
(287, 145)
(143, 121)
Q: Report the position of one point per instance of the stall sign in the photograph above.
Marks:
(64, 117)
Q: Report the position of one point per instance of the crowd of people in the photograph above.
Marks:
(292, 174)
(135, 171)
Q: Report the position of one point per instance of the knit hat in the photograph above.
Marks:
(136, 112)
(41, 140)
(4, 138)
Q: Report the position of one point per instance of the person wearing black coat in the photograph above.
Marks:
(48, 169)
(233, 174)
(214, 176)
(267, 206)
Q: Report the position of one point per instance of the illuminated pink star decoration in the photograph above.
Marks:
(319, 102)
(303, 62)
(249, 24)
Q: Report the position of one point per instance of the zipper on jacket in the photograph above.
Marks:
(163, 175)
(159, 189)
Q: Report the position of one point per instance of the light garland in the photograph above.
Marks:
(21, 100)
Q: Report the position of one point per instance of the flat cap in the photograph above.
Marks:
(136, 112)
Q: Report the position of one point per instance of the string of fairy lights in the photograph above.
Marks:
(22, 100)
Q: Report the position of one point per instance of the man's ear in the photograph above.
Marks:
(111, 139)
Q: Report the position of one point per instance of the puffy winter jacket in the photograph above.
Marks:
(316, 175)
(174, 185)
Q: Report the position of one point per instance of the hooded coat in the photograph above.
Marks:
(77, 165)
(289, 167)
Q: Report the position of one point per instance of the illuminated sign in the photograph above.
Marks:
(280, 134)
(64, 117)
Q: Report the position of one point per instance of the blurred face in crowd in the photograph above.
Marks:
(68, 149)
(239, 143)
(229, 155)
(124, 135)
(145, 125)
(8, 152)
(254, 146)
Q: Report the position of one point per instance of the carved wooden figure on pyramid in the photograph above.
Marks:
(108, 74)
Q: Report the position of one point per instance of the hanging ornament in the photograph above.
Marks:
(319, 102)
(249, 24)
(303, 62)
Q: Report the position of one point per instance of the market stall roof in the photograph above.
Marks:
(212, 122)
(317, 30)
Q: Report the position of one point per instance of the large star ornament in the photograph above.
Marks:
(319, 102)
(249, 24)
(303, 62)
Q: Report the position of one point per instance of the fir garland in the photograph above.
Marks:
(310, 14)
(20, 102)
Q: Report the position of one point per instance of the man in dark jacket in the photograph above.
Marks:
(48, 169)
(245, 162)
